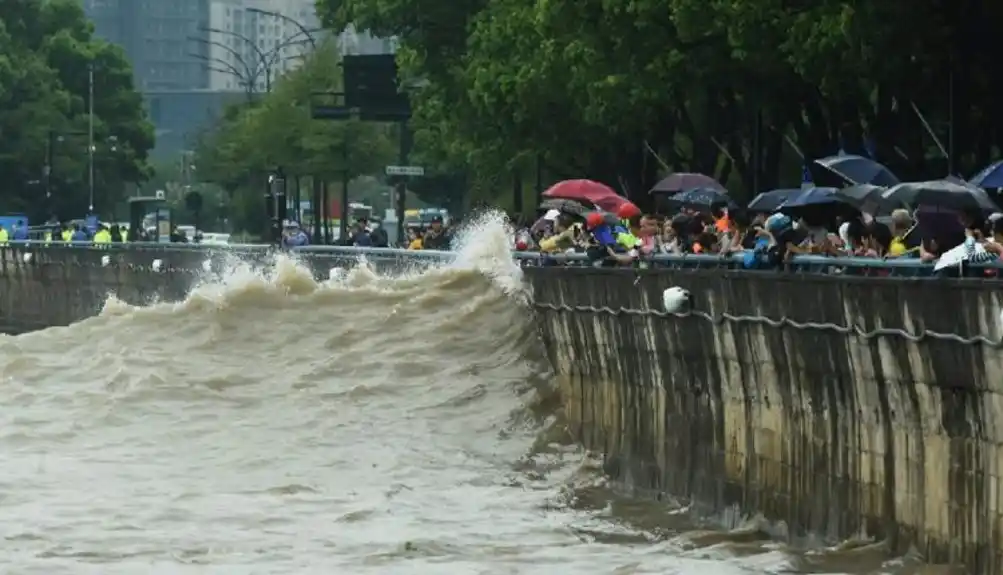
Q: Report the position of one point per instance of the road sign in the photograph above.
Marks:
(405, 171)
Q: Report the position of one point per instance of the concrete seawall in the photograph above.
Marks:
(838, 405)
(44, 286)
(835, 404)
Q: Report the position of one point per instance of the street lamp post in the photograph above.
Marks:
(236, 55)
(262, 65)
(213, 64)
(90, 137)
(51, 145)
(303, 29)
(266, 60)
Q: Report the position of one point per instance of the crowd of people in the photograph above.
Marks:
(765, 239)
(433, 235)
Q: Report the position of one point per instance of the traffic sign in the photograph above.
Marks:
(405, 171)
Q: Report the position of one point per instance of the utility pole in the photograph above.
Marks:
(90, 137)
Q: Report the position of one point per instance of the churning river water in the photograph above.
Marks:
(273, 424)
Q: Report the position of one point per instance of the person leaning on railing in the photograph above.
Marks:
(102, 237)
(566, 236)
(416, 241)
(604, 248)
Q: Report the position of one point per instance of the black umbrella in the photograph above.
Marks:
(681, 181)
(770, 201)
(869, 198)
(943, 193)
(702, 199)
(818, 201)
(858, 170)
(572, 207)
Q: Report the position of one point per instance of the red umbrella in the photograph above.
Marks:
(589, 191)
(682, 181)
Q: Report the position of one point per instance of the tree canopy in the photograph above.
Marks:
(46, 49)
(277, 131)
(625, 91)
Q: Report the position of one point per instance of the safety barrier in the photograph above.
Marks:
(899, 267)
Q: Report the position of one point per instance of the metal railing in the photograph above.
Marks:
(907, 267)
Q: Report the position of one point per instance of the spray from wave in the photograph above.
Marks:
(482, 252)
(456, 319)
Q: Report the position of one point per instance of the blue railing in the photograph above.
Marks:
(909, 267)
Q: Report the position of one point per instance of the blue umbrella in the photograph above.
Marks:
(770, 201)
(816, 197)
(704, 199)
(859, 170)
(991, 176)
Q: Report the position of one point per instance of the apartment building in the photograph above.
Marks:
(254, 42)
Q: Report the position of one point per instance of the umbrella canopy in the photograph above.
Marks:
(589, 191)
(991, 176)
(858, 170)
(815, 197)
(772, 200)
(682, 181)
(944, 193)
(869, 198)
(702, 199)
(573, 207)
(819, 202)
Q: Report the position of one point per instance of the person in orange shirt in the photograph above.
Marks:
(723, 223)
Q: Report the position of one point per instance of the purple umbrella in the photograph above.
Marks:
(682, 181)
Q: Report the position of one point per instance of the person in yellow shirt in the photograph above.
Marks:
(4, 236)
(67, 234)
(414, 240)
(565, 236)
(102, 236)
(902, 244)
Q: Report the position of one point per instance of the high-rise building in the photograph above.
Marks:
(191, 57)
(161, 39)
(253, 42)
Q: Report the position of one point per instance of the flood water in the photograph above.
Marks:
(273, 424)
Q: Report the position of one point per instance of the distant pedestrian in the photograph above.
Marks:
(79, 236)
(293, 236)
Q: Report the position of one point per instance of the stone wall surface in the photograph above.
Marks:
(44, 286)
(838, 405)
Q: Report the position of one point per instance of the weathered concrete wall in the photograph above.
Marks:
(57, 285)
(45, 286)
(823, 401)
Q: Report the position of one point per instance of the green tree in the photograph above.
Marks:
(251, 140)
(277, 130)
(625, 92)
(178, 178)
(47, 48)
